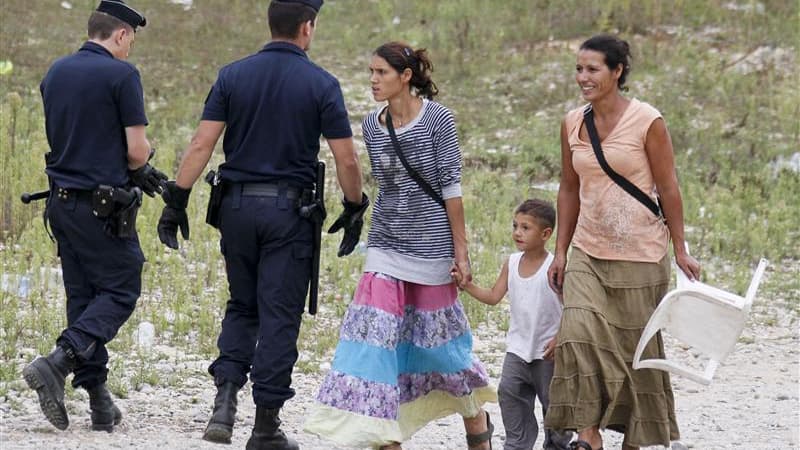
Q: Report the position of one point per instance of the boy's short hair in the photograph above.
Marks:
(541, 210)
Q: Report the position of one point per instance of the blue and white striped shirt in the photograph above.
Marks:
(410, 237)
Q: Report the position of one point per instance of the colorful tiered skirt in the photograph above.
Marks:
(404, 359)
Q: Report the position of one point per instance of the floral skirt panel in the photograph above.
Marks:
(404, 359)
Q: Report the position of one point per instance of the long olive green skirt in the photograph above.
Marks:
(606, 306)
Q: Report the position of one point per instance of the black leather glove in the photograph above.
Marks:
(149, 179)
(174, 215)
(352, 220)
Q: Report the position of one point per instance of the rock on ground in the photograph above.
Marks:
(752, 403)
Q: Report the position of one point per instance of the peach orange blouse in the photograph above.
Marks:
(611, 223)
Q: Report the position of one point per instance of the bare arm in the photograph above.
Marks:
(198, 152)
(568, 208)
(455, 214)
(138, 146)
(348, 170)
(658, 146)
(496, 293)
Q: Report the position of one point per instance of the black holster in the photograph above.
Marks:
(215, 198)
(119, 207)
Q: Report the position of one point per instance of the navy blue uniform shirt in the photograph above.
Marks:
(276, 104)
(89, 98)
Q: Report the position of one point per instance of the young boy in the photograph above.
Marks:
(535, 319)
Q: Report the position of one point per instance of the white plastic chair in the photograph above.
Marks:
(708, 319)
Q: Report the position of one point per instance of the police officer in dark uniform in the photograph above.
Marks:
(95, 123)
(273, 105)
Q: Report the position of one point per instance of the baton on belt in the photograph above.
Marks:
(28, 197)
(316, 212)
(121, 196)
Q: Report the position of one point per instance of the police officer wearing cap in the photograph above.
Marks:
(273, 106)
(95, 123)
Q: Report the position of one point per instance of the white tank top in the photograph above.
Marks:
(535, 310)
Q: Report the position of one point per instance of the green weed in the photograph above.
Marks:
(505, 72)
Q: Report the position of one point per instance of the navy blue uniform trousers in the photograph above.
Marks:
(102, 279)
(267, 248)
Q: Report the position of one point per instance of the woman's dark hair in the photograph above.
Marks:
(401, 57)
(101, 25)
(285, 18)
(541, 210)
(617, 53)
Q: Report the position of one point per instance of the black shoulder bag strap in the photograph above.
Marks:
(411, 172)
(630, 188)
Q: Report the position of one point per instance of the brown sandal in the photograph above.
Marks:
(473, 440)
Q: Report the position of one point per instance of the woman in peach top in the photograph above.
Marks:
(619, 264)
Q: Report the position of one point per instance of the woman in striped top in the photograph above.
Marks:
(405, 356)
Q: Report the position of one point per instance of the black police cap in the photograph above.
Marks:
(123, 12)
(313, 4)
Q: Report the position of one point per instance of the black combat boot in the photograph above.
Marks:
(105, 413)
(267, 434)
(220, 426)
(47, 376)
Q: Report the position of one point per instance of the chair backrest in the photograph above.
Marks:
(684, 283)
(706, 318)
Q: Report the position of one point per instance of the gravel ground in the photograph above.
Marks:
(752, 403)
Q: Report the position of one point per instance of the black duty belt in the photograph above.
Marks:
(65, 194)
(269, 190)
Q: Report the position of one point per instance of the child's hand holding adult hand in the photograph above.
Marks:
(463, 269)
(456, 275)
